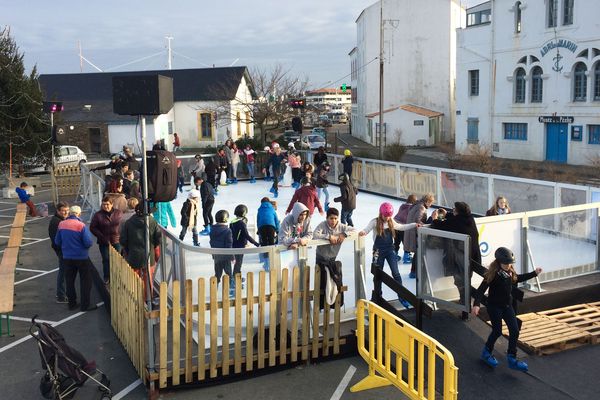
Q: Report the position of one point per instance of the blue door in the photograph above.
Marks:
(556, 142)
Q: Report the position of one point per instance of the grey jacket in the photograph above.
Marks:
(290, 231)
(324, 231)
(417, 213)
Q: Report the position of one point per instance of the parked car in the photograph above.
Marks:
(319, 131)
(63, 156)
(312, 142)
(291, 136)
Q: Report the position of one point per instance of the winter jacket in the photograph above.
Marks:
(249, 155)
(186, 210)
(319, 158)
(347, 195)
(207, 192)
(197, 168)
(294, 161)
(222, 162)
(398, 227)
(135, 190)
(132, 240)
(53, 228)
(211, 171)
(240, 234)
(275, 162)
(402, 214)
(290, 230)
(105, 226)
(267, 215)
(417, 213)
(229, 154)
(134, 165)
(466, 225)
(74, 238)
(164, 213)
(221, 238)
(235, 156)
(323, 231)
(347, 163)
(501, 288)
(322, 181)
(180, 173)
(23, 195)
(119, 201)
(306, 195)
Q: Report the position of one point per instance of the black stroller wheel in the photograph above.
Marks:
(46, 387)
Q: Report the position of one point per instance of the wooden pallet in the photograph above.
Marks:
(556, 330)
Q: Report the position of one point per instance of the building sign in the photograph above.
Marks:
(418, 122)
(576, 133)
(553, 119)
(556, 44)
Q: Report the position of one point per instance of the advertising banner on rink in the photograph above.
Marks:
(500, 233)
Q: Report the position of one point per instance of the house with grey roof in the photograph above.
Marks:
(210, 105)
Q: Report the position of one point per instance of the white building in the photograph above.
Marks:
(332, 100)
(419, 71)
(528, 80)
(210, 105)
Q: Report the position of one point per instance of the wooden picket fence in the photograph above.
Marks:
(284, 320)
(65, 181)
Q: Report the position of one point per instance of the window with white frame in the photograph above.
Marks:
(580, 82)
(594, 134)
(552, 14)
(517, 10)
(474, 82)
(597, 82)
(568, 12)
(520, 85)
(515, 131)
(537, 85)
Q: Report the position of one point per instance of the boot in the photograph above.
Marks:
(181, 237)
(195, 240)
(276, 194)
(514, 363)
(405, 303)
(326, 207)
(272, 190)
(407, 258)
(253, 180)
(488, 358)
(206, 231)
(234, 181)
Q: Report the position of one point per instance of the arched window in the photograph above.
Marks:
(580, 82)
(517, 10)
(597, 82)
(520, 85)
(537, 85)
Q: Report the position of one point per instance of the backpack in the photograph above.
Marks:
(162, 175)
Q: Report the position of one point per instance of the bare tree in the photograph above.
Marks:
(268, 108)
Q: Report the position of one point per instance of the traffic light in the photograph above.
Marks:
(52, 106)
(343, 87)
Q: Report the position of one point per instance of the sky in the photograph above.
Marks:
(311, 38)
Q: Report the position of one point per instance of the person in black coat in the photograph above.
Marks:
(210, 170)
(320, 157)
(241, 237)
(62, 212)
(348, 199)
(222, 238)
(208, 201)
(460, 220)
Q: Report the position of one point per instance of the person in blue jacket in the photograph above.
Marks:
(267, 224)
(163, 214)
(275, 162)
(75, 239)
(25, 197)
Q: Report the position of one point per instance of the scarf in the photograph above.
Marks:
(193, 214)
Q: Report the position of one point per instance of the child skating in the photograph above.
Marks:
(384, 228)
(500, 278)
(241, 237)
(189, 217)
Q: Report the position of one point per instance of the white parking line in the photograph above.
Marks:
(39, 271)
(62, 321)
(29, 320)
(127, 390)
(337, 395)
(36, 276)
(29, 244)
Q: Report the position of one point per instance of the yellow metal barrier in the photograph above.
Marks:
(395, 348)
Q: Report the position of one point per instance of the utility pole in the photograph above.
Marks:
(380, 80)
(169, 51)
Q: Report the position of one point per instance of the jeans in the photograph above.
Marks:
(60, 277)
(251, 169)
(497, 314)
(275, 185)
(106, 258)
(346, 217)
(388, 254)
(324, 190)
(180, 182)
(184, 230)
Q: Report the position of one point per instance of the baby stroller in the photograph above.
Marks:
(66, 368)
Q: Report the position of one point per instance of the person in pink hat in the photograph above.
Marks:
(384, 228)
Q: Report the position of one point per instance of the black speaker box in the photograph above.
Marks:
(142, 94)
(162, 175)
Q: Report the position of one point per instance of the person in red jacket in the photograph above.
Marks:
(306, 195)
